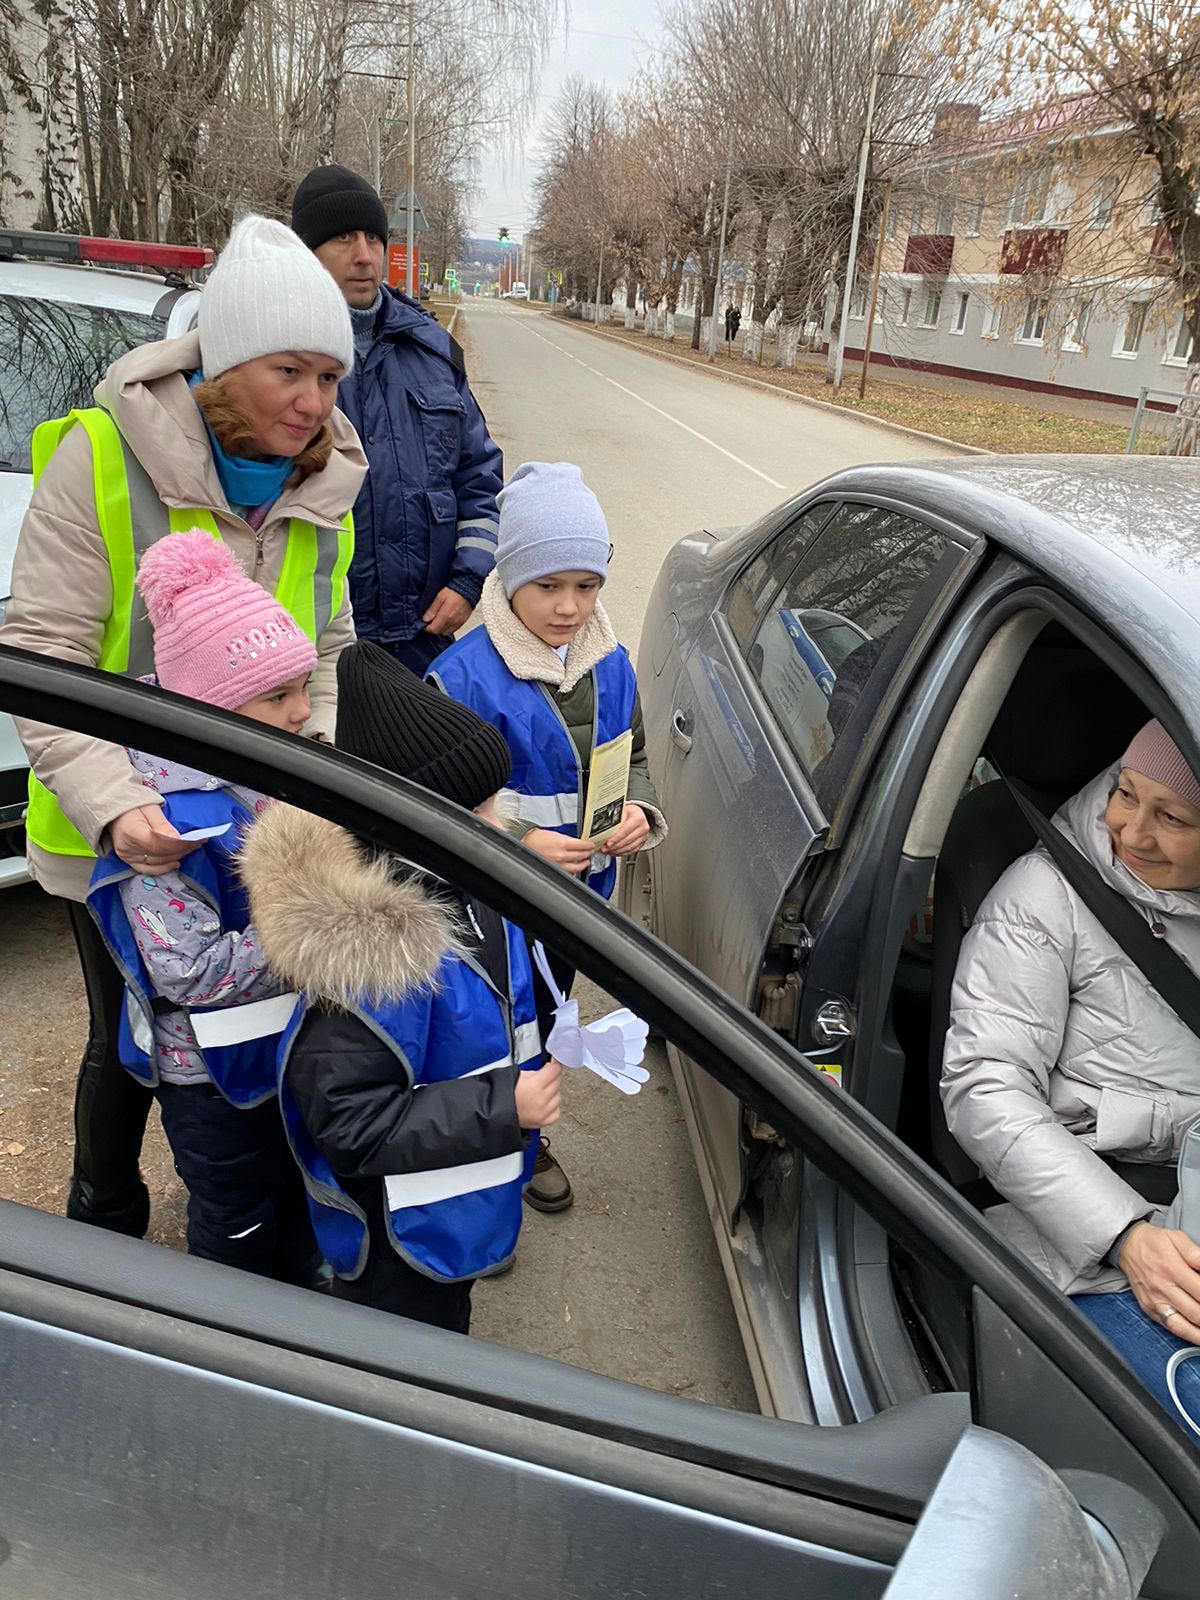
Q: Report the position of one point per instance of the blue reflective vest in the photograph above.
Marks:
(239, 1044)
(547, 775)
(451, 1222)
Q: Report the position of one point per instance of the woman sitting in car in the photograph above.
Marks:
(1059, 1054)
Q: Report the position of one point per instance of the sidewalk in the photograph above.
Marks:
(986, 416)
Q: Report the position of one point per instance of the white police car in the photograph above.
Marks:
(69, 306)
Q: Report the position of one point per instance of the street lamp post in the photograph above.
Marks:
(599, 282)
(852, 255)
(410, 234)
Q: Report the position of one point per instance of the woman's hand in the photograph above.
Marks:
(146, 841)
(572, 855)
(1163, 1268)
(539, 1096)
(629, 835)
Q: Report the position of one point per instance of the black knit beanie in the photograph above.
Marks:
(334, 200)
(387, 715)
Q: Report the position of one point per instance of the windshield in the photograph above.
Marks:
(52, 355)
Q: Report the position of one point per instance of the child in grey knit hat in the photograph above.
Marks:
(546, 669)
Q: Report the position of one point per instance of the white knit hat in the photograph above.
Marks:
(268, 292)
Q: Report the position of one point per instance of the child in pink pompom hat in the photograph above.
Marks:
(203, 1013)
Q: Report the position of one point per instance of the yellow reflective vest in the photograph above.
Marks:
(131, 517)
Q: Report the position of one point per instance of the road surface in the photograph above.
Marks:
(627, 1283)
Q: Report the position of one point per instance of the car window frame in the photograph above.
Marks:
(832, 825)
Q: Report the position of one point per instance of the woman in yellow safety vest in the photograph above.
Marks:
(232, 429)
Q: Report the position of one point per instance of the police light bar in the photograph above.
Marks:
(110, 252)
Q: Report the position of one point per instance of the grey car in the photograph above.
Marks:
(172, 1427)
(829, 696)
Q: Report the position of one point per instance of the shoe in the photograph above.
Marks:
(131, 1219)
(549, 1189)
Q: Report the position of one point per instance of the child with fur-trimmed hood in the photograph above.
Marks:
(412, 1075)
(547, 671)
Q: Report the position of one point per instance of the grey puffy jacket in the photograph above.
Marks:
(1058, 1047)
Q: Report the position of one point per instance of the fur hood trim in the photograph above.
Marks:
(527, 657)
(331, 922)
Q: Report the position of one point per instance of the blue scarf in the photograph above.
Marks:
(245, 482)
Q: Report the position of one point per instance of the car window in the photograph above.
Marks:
(52, 355)
(755, 586)
(827, 645)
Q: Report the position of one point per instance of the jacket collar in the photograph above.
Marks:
(146, 393)
(1082, 819)
(334, 923)
(527, 657)
(399, 317)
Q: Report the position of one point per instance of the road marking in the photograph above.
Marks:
(649, 404)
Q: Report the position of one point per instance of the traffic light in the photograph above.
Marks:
(503, 236)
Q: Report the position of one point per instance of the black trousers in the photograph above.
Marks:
(246, 1201)
(110, 1107)
(388, 1283)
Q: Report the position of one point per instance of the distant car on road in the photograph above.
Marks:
(68, 307)
(519, 291)
(830, 695)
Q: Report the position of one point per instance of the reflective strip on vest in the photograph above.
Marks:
(444, 1183)
(527, 1041)
(258, 1019)
(475, 1072)
(131, 517)
(548, 810)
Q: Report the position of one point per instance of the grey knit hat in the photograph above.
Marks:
(550, 521)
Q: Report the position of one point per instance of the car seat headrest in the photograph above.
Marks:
(1065, 718)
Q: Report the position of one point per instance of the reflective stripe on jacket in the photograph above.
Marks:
(456, 1220)
(548, 778)
(239, 1044)
(132, 517)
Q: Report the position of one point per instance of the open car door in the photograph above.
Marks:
(171, 1427)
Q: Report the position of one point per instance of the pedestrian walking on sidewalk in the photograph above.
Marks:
(425, 520)
(733, 321)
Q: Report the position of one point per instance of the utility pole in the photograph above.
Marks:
(411, 268)
(712, 328)
(599, 281)
(883, 218)
(852, 257)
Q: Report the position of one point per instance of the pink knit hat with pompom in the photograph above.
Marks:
(218, 636)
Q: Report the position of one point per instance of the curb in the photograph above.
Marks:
(453, 320)
(771, 388)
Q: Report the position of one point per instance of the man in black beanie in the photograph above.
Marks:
(425, 519)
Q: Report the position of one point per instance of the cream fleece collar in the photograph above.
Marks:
(527, 657)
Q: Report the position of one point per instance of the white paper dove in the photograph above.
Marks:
(612, 1047)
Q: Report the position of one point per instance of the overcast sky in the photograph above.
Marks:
(609, 41)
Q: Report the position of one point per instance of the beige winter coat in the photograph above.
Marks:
(62, 590)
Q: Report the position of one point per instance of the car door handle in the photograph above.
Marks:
(681, 724)
(833, 1023)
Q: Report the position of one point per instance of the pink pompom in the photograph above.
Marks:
(180, 562)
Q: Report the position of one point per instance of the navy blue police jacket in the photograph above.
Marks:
(425, 517)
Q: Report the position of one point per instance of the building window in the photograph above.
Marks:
(933, 308)
(945, 216)
(1035, 321)
(1105, 200)
(893, 221)
(1081, 315)
(1129, 341)
(905, 305)
(1150, 214)
(960, 313)
(991, 323)
(973, 219)
(917, 225)
(1181, 349)
(858, 305)
(1031, 190)
(880, 302)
